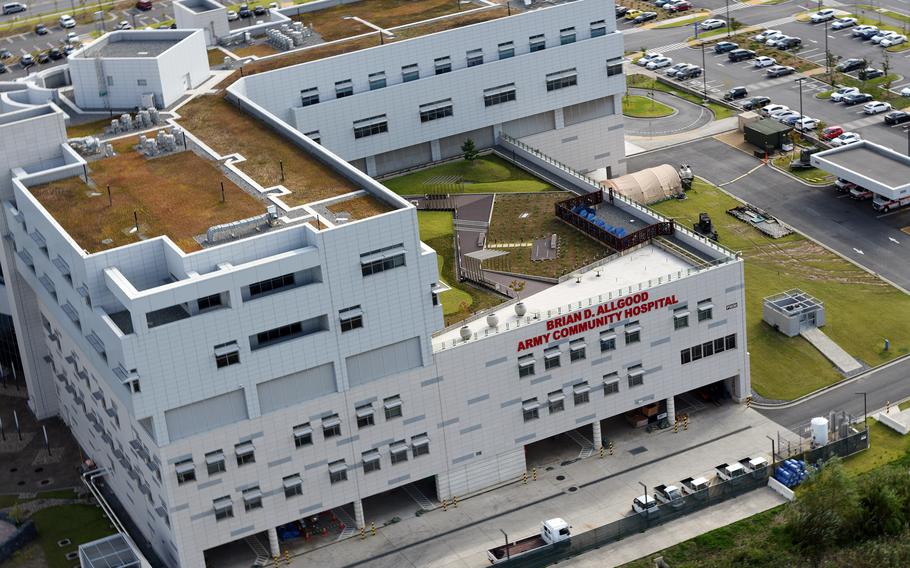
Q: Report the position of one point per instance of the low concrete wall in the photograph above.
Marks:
(892, 423)
(781, 489)
(24, 534)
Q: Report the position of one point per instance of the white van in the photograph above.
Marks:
(14, 8)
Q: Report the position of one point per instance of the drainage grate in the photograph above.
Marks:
(638, 450)
(64, 542)
(44, 482)
(13, 469)
(573, 489)
(550, 468)
(560, 478)
(20, 483)
(72, 555)
(39, 469)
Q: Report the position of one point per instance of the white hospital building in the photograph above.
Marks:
(236, 385)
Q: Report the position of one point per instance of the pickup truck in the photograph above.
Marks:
(552, 532)
(644, 504)
(728, 472)
(860, 193)
(669, 494)
(691, 486)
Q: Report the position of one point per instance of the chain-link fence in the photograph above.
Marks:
(717, 492)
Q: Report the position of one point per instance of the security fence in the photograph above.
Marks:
(718, 492)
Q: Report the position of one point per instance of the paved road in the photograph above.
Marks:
(845, 225)
(688, 116)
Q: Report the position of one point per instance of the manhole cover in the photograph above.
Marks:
(13, 469)
(638, 450)
(573, 489)
(560, 478)
(20, 483)
(44, 482)
(39, 469)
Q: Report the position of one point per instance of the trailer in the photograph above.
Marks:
(670, 495)
(553, 532)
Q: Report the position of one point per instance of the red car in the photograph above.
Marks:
(832, 132)
(679, 7)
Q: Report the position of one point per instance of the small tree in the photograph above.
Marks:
(517, 286)
(833, 60)
(734, 25)
(469, 149)
(886, 67)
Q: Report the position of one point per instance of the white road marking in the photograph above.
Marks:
(893, 240)
(858, 251)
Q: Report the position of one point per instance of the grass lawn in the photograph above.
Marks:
(257, 49)
(645, 82)
(79, 523)
(361, 207)
(811, 175)
(331, 25)
(226, 129)
(94, 128)
(709, 33)
(462, 300)
(784, 368)
(487, 174)
(684, 22)
(10, 500)
(886, 447)
(521, 219)
(637, 106)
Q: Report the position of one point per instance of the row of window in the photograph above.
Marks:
(441, 65)
(577, 350)
(707, 349)
(581, 393)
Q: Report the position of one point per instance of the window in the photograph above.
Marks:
(442, 65)
(350, 318)
(344, 89)
(141, 82)
(392, 407)
(636, 376)
(598, 28)
(252, 498)
(436, 110)
(371, 126)
(377, 80)
(338, 471)
(537, 42)
(614, 67)
(214, 462)
(224, 508)
(633, 333)
(186, 471)
(719, 345)
(731, 341)
(707, 349)
(293, 486)
(696, 352)
(377, 261)
(577, 350)
(276, 335)
(551, 358)
(566, 35)
(371, 461)
(314, 136)
(271, 285)
(399, 452)
(410, 73)
(331, 426)
(246, 453)
(530, 409)
(309, 96)
(110, 81)
(420, 445)
(705, 310)
(499, 95)
(607, 341)
(525, 366)
(303, 435)
(556, 401)
(611, 383)
(475, 57)
(680, 319)
(227, 354)
(209, 302)
(365, 416)
(562, 79)
(581, 393)
(506, 50)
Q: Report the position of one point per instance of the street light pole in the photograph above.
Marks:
(801, 115)
(865, 424)
(507, 543)
(727, 2)
(773, 454)
(827, 54)
(704, 71)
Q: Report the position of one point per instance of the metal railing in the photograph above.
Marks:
(564, 210)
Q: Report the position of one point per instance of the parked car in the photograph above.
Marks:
(144, 5)
(905, 92)
(831, 132)
(647, 57)
(768, 110)
(645, 17)
(124, 25)
(3, 69)
(690, 72)
(764, 61)
(259, 10)
(897, 117)
(55, 54)
(876, 107)
(740, 55)
(822, 16)
(840, 184)
(775, 40)
(736, 93)
(860, 193)
(671, 71)
(857, 98)
(43, 58)
(71, 37)
(232, 16)
(26, 61)
(806, 124)
(783, 115)
(659, 63)
(859, 30)
(678, 6)
(5, 53)
(882, 36)
(67, 49)
(67, 22)
(851, 64)
(893, 40)
(846, 138)
(632, 14)
(725, 46)
(14, 8)
(712, 24)
(789, 43)
(869, 33)
(764, 35)
(780, 71)
(756, 103)
(870, 73)
(621, 11)
(842, 23)
(245, 12)
(41, 29)
(838, 95)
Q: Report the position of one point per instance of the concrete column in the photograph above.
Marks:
(671, 409)
(558, 119)
(371, 165)
(598, 435)
(273, 543)
(435, 151)
(358, 514)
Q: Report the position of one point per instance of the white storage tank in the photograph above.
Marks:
(819, 431)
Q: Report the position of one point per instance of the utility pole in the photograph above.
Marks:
(704, 72)
(729, 31)
(865, 412)
(772, 449)
(801, 115)
(827, 53)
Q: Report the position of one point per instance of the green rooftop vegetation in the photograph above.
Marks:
(487, 174)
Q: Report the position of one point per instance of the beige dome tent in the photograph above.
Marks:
(647, 186)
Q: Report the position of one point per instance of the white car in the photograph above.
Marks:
(822, 16)
(846, 138)
(644, 504)
(863, 29)
(659, 62)
(677, 67)
(124, 25)
(806, 123)
(838, 95)
(843, 23)
(712, 24)
(647, 57)
(876, 107)
(232, 16)
(893, 40)
(905, 92)
(783, 115)
(771, 38)
(881, 36)
(768, 110)
(67, 22)
(763, 61)
(764, 35)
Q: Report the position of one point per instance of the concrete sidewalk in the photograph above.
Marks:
(831, 350)
(647, 143)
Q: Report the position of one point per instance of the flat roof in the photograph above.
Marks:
(647, 262)
(108, 552)
(122, 46)
(875, 167)
(200, 6)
